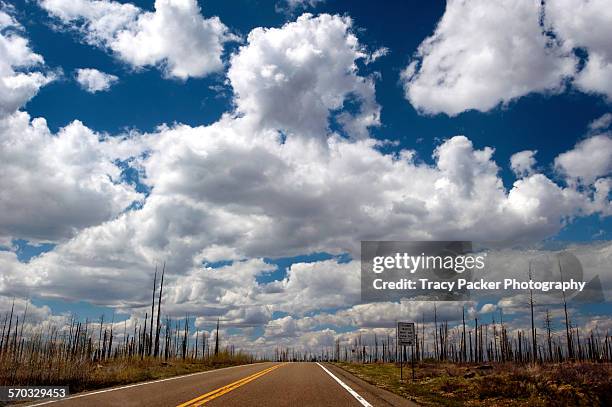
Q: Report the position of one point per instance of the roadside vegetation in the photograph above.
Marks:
(485, 364)
(448, 384)
(87, 355)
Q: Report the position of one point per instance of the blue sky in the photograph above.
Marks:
(552, 121)
(143, 100)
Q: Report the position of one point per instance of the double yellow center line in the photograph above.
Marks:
(205, 398)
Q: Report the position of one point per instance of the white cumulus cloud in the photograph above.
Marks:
(175, 37)
(52, 185)
(483, 53)
(292, 78)
(590, 159)
(94, 81)
(522, 163)
(20, 68)
(586, 25)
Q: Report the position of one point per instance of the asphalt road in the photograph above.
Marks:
(262, 384)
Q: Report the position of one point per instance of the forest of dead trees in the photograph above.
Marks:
(52, 354)
(475, 341)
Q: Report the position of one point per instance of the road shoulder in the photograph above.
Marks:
(375, 395)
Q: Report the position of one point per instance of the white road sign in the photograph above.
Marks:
(405, 333)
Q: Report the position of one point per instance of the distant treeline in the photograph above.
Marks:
(469, 343)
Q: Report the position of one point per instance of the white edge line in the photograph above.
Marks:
(347, 388)
(91, 393)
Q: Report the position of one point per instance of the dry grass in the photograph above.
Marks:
(119, 372)
(438, 384)
(85, 374)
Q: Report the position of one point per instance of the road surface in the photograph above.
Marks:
(261, 384)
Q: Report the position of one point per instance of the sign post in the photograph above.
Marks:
(405, 337)
(413, 375)
(402, 364)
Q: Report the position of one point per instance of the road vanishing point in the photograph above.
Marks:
(260, 384)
